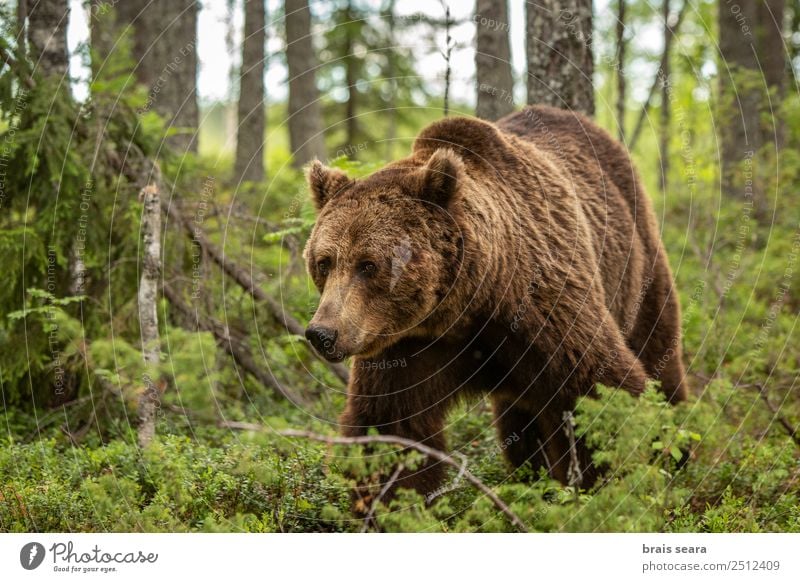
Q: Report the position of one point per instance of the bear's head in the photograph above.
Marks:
(383, 253)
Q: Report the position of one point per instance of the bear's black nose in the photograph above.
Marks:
(322, 338)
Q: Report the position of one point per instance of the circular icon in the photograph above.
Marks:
(31, 555)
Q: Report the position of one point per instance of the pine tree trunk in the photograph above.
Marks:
(47, 37)
(493, 60)
(751, 88)
(22, 16)
(391, 105)
(180, 99)
(351, 123)
(47, 49)
(621, 84)
(165, 52)
(249, 163)
(666, 88)
(305, 117)
(559, 54)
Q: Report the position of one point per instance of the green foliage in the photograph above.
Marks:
(175, 485)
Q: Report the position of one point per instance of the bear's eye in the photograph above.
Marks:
(324, 267)
(367, 268)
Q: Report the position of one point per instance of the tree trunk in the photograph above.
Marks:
(559, 54)
(251, 114)
(751, 88)
(391, 136)
(351, 123)
(150, 397)
(621, 85)
(447, 52)
(48, 41)
(47, 37)
(22, 17)
(666, 89)
(495, 79)
(165, 52)
(179, 103)
(305, 117)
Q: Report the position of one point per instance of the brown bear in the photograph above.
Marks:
(520, 260)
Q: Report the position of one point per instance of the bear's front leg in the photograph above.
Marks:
(403, 392)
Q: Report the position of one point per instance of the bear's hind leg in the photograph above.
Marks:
(656, 336)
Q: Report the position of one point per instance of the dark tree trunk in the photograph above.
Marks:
(351, 123)
(105, 27)
(448, 51)
(495, 79)
(559, 54)
(47, 37)
(165, 52)
(22, 16)
(179, 103)
(666, 89)
(391, 105)
(47, 47)
(751, 87)
(251, 114)
(305, 117)
(621, 85)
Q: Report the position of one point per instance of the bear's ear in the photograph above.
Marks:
(441, 176)
(325, 183)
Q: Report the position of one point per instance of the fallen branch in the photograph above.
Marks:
(243, 278)
(231, 210)
(424, 449)
(237, 352)
(790, 430)
(240, 425)
(53, 416)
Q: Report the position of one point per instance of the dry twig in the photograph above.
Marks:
(374, 505)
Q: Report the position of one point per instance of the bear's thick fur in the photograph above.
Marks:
(520, 260)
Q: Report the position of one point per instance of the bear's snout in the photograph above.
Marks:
(324, 341)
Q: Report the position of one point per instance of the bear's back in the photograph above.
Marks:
(584, 149)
